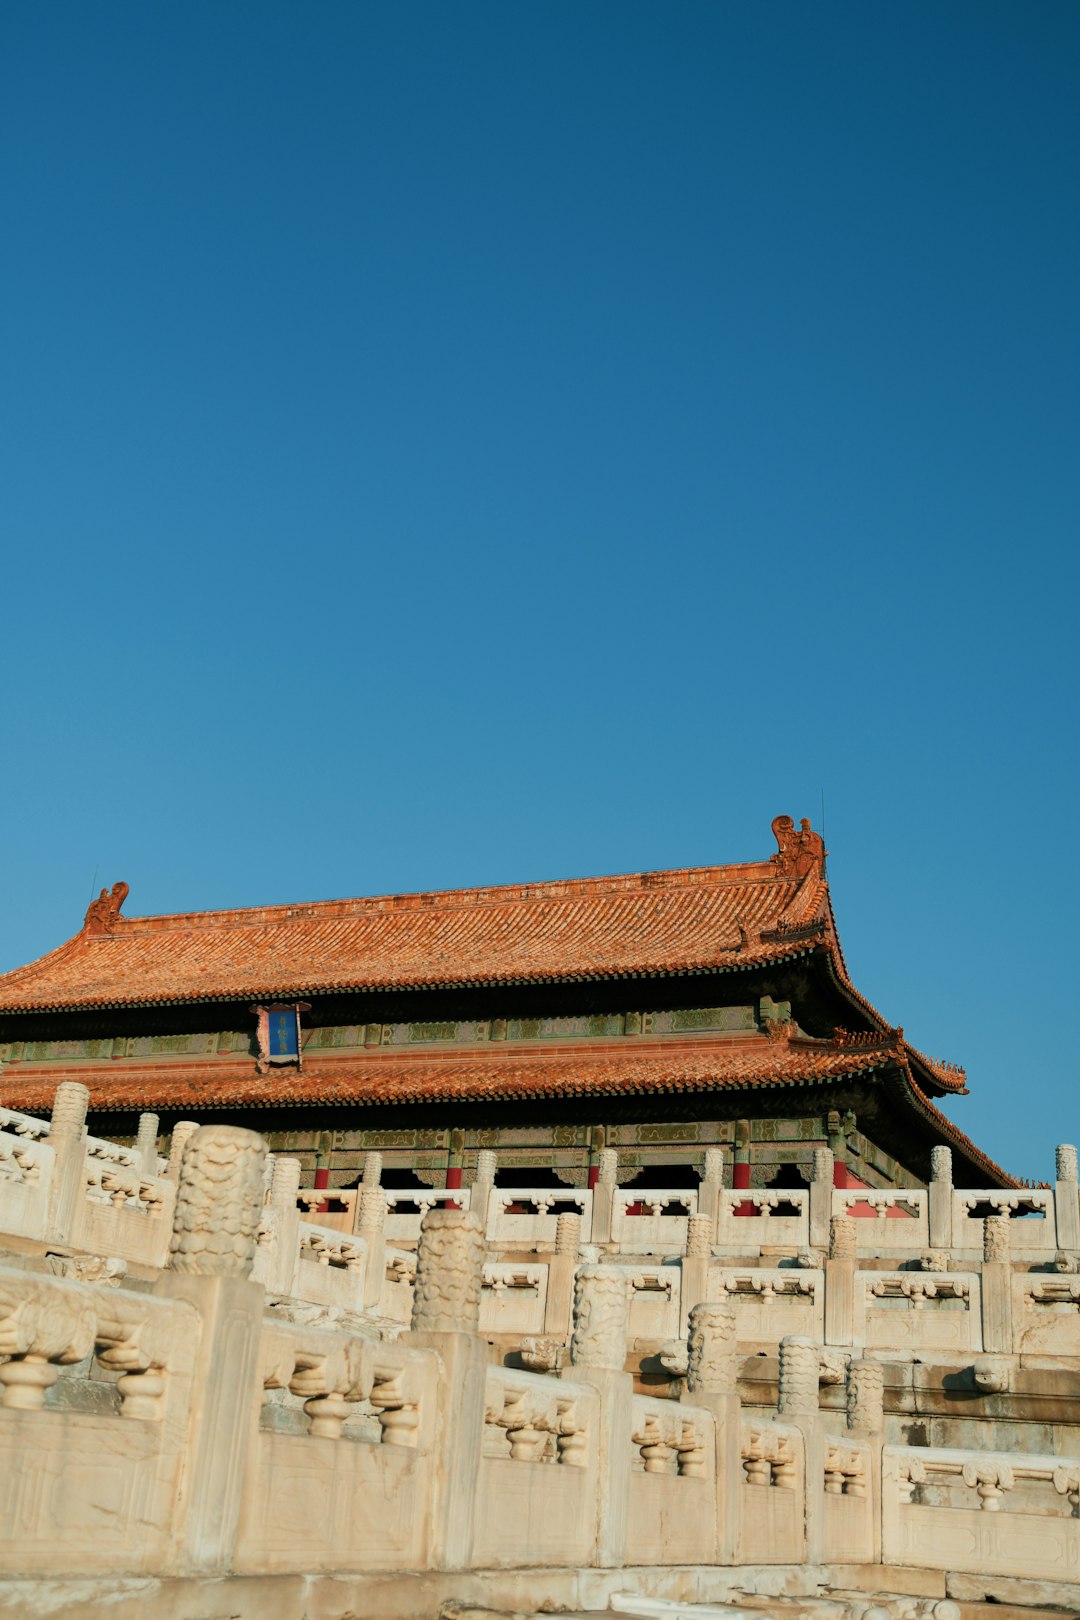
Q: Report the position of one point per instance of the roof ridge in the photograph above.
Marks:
(953, 1132)
(687, 877)
(60, 953)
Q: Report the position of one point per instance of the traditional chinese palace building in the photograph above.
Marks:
(658, 1013)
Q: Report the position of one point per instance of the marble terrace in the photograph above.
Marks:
(224, 1393)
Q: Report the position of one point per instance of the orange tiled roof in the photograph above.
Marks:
(694, 920)
(703, 919)
(383, 1077)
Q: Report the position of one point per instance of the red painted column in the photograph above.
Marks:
(740, 1169)
(453, 1164)
(596, 1145)
(322, 1179)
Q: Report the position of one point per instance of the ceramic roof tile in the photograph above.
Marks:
(382, 1077)
(696, 919)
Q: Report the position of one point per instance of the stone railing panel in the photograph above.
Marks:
(919, 1312)
(332, 1207)
(1046, 1314)
(119, 1471)
(26, 1171)
(528, 1217)
(514, 1299)
(849, 1502)
(407, 1206)
(654, 1300)
(990, 1513)
(330, 1267)
(345, 1421)
(124, 1211)
(770, 1495)
(892, 1222)
(399, 1279)
(763, 1220)
(540, 1471)
(1032, 1233)
(771, 1302)
(672, 1508)
(24, 1125)
(653, 1220)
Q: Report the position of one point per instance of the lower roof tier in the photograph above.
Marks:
(490, 1080)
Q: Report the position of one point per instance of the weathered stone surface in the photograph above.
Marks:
(712, 1350)
(449, 1264)
(600, 1318)
(188, 1430)
(218, 1202)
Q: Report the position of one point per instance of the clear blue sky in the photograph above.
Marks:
(451, 444)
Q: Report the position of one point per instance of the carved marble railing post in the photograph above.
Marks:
(821, 1199)
(370, 1223)
(146, 1144)
(449, 1272)
(219, 1203)
(712, 1381)
(865, 1381)
(601, 1314)
(840, 1281)
(797, 1403)
(483, 1184)
(182, 1132)
(283, 1219)
(597, 1357)
(284, 1184)
(939, 1198)
(712, 1185)
(562, 1266)
(604, 1195)
(445, 1318)
(997, 1286)
(865, 1397)
(800, 1369)
(568, 1233)
(67, 1138)
(694, 1269)
(1067, 1199)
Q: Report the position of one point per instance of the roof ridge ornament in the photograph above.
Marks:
(103, 914)
(867, 1037)
(801, 852)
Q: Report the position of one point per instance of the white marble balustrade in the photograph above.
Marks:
(780, 1219)
(1032, 1227)
(513, 1298)
(771, 1302)
(528, 1217)
(407, 1206)
(998, 1513)
(652, 1220)
(26, 1171)
(919, 1311)
(889, 1222)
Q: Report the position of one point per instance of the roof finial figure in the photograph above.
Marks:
(800, 852)
(103, 914)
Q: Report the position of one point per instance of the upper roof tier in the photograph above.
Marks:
(646, 923)
(694, 920)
